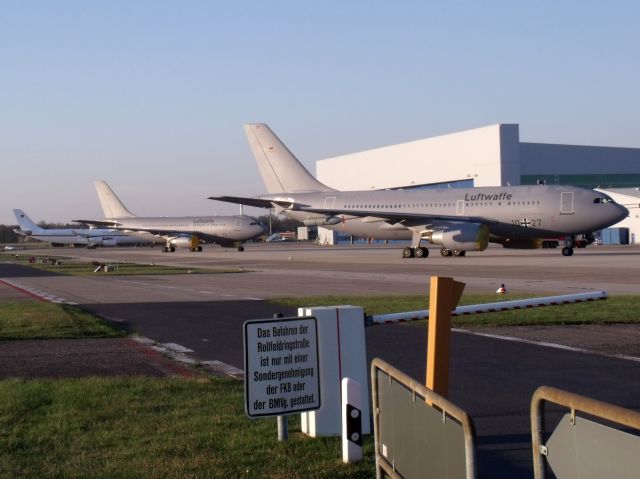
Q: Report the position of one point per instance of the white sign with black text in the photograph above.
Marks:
(281, 366)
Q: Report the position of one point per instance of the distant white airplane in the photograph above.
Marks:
(89, 237)
(179, 231)
(457, 219)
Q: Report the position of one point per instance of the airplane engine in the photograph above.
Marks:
(463, 236)
(181, 242)
(100, 241)
(328, 220)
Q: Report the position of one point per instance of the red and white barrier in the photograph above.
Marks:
(491, 307)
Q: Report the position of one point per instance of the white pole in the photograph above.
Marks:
(493, 307)
(351, 421)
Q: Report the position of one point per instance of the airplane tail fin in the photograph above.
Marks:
(26, 224)
(112, 207)
(280, 169)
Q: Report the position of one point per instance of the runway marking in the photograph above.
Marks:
(36, 293)
(547, 345)
(179, 353)
(178, 348)
(218, 367)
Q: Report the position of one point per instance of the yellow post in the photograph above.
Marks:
(444, 296)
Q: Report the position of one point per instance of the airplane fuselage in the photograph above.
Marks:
(82, 236)
(514, 212)
(218, 229)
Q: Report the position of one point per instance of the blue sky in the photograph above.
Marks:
(151, 95)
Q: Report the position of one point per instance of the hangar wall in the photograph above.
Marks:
(630, 198)
(588, 166)
(486, 156)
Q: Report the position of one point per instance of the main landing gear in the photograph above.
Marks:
(415, 252)
(169, 249)
(452, 252)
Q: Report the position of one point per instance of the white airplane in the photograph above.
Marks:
(89, 237)
(457, 219)
(182, 231)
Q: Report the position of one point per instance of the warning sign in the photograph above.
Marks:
(281, 366)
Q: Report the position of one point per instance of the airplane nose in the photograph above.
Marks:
(622, 212)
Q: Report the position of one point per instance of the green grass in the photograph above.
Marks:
(142, 427)
(76, 267)
(617, 309)
(40, 320)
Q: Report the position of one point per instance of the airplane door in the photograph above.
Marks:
(329, 201)
(237, 225)
(460, 207)
(566, 203)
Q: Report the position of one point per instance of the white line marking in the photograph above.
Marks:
(178, 348)
(547, 345)
(224, 368)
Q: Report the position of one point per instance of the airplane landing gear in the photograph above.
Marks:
(445, 252)
(568, 246)
(240, 248)
(421, 252)
(417, 252)
(407, 252)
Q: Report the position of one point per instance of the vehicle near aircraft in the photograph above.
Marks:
(457, 219)
(88, 237)
(177, 232)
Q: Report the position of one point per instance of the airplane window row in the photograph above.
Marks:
(443, 205)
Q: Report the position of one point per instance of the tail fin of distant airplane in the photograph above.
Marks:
(280, 169)
(26, 224)
(112, 207)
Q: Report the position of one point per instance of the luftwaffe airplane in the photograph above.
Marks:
(457, 219)
(182, 231)
(89, 237)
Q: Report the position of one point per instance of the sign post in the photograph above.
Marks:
(281, 366)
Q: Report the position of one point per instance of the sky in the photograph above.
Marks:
(151, 95)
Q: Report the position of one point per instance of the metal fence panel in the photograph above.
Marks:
(415, 437)
(590, 450)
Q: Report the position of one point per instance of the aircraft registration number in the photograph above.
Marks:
(527, 222)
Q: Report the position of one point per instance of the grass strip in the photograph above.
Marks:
(40, 320)
(144, 427)
(617, 309)
(76, 267)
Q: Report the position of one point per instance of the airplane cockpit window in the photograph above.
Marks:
(602, 200)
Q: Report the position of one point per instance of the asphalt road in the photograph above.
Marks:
(492, 379)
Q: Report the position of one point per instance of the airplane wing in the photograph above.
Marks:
(407, 219)
(171, 233)
(257, 202)
(103, 223)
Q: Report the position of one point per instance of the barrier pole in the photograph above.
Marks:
(444, 295)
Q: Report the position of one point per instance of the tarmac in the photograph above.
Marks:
(494, 371)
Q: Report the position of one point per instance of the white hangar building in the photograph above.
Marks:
(491, 156)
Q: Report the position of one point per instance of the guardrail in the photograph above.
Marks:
(490, 307)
